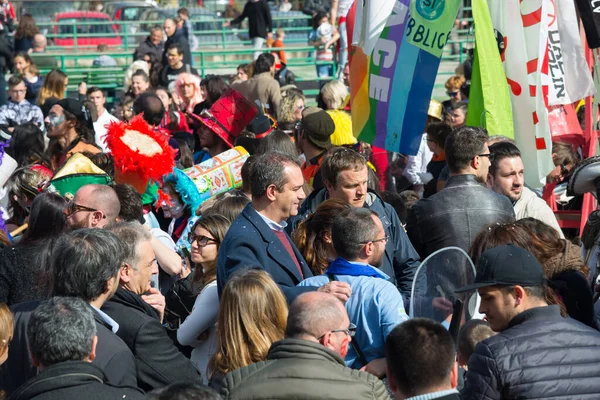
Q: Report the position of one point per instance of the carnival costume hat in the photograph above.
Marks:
(228, 116)
(76, 172)
(585, 178)
(141, 153)
(435, 109)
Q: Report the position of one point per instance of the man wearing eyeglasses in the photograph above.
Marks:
(19, 111)
(309, 362)
(375, 306)
(456, 214)
(94, 206)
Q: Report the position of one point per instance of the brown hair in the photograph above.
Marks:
(217, 226)
(471, 333)
(252, 316)
(563, 154)
(341, 159)
(502, 234)
(309, 237)
(27, 28)
(54, 85)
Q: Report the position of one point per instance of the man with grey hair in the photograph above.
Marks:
(376, 306)
(85, 264)
(257, 237)
(309, 361)
(62, 339)
(139, 309)
(94, 206)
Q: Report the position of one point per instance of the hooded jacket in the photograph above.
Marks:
(73, 380)
(400, 261)
(300, 369)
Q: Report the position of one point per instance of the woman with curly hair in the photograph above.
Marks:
(26, 30)
(290, 113)
(313, 235)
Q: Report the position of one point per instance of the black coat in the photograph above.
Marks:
(259, 18)
(178, 37)
(158, 362)
(455, 215)
(541, 355)
(73, 380)
(112, 355)
(20, 268)
(148, 47)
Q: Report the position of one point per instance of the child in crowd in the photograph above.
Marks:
(323, 37)
(278, 44)
(472, 332)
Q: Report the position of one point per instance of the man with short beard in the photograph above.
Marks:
(455, 215)
(507, 178)
(376, 306)
(94, 206)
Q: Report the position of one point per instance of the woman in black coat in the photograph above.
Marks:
(23, 267)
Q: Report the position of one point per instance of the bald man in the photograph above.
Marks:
(94, 206)
(309, 362)
(175, 35)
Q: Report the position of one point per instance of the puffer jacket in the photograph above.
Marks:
(541, 355)
(400, 261)
(454, 216)
(299, 369)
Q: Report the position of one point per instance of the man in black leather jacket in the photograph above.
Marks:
(454, 216)
(537, 353)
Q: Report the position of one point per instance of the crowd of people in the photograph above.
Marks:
(297, 283)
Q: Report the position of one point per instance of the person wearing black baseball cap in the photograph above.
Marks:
(538, 353)
(70, 129)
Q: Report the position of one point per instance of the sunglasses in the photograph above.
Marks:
(73, 208)
(452, 94)
(201, 240)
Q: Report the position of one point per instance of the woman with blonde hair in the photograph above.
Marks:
(199, 328)
(187, 88)
(53, 89)
(290, 112)
(334, 96)
(252, 316)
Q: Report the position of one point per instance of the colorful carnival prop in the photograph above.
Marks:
(142, 154)
(76, 172)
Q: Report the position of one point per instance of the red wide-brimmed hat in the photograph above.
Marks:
(229, 116)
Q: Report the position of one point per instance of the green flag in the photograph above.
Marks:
(489, 97)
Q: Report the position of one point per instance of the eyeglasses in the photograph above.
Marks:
(488, 155)
(73, 208)
(200, 240)
(383, 239)
(452, 94)
(350, 331)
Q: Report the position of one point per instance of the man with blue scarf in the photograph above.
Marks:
(376, 306)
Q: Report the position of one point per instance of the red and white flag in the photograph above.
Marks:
(522, 25)
(571, 79)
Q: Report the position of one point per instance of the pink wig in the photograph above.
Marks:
(186, 78)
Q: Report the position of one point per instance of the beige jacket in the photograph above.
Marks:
(264, 88)
(530, 205)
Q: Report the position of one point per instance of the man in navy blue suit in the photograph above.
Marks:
(257, 238)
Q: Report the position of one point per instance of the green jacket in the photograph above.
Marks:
(300, 369)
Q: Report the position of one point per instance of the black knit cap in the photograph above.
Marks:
(77, 108)
(317, 126)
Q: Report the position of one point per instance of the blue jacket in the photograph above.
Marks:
(250, 243)
(375, 307)
(401, 259)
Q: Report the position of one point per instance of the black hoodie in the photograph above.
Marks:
(73, 380)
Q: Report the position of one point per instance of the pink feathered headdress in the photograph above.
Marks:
(186, 78)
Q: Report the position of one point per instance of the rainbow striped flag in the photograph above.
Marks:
(398, 49)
